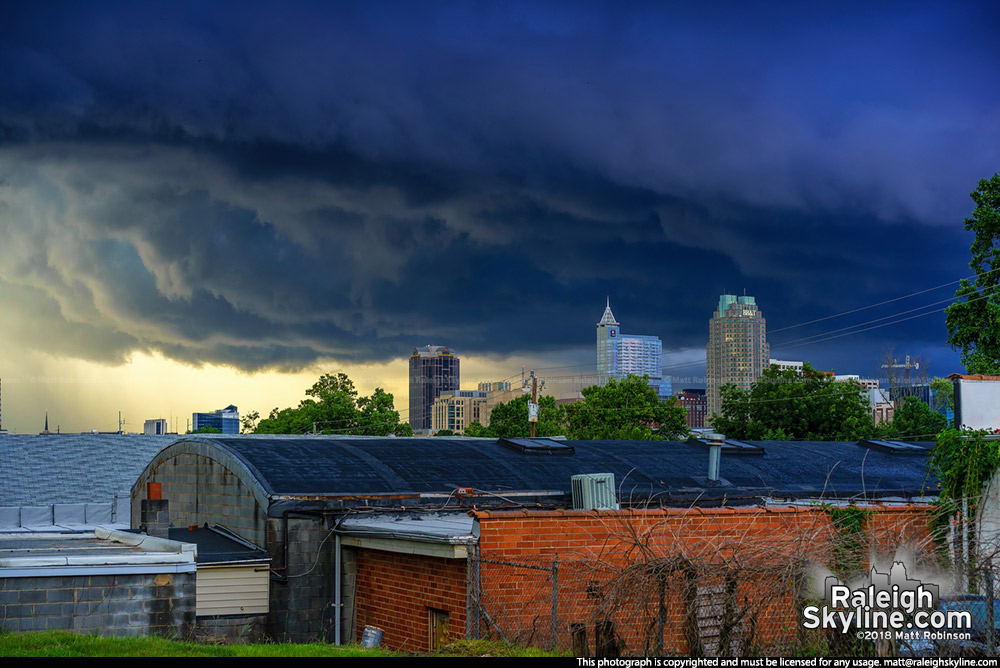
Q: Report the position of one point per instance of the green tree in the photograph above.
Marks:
(627, 409)
(376, 414)
(475, 429)
(974, 324)
(510, 420)
(249, 422)
(206, 430)
(785, 405)
(444, 432)
(944, 394)
(403, 429)
(915, 421)
(333, 407)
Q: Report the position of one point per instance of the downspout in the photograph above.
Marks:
(279, 571)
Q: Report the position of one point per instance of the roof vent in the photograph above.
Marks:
(537, 446)
(894, 447)
(594, 491)
(715, 442)
(731, 447)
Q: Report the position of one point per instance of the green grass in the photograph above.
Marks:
(65, 643)
(491, 648)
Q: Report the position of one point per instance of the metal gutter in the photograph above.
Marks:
(75, 571)
(409, 535)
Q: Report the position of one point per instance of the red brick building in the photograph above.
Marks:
(434, 539)
(695, 402)
(761, 551)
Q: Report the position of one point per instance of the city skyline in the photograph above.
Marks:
(394, 380)
(202, 206)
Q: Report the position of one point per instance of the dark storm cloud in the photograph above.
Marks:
(262, 186)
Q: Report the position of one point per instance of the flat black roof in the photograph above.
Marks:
(666, 470)
(216, 547)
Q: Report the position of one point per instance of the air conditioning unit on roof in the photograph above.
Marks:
(594, 491)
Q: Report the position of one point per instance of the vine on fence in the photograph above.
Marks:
(963, 462)
(850, 545)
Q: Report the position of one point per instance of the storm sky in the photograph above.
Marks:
(270, 191)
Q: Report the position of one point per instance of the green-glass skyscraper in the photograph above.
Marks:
(737, 351)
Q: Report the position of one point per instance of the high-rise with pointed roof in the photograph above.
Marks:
(619, 355)
(737, 351)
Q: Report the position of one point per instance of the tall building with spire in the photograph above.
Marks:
(737, 351)
(619, 355)
(46, 432)
(433, 370)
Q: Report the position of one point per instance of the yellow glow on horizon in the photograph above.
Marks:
(82, 396)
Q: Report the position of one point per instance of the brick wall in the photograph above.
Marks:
(135, 604)
(614, 565)
(396, 593)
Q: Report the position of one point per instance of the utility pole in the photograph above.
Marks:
(533, 404)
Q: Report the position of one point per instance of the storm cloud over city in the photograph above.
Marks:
(266, 187)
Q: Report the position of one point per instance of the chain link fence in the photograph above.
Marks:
(661, 608)
(674, 606)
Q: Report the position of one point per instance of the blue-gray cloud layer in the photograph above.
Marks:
(263, 186)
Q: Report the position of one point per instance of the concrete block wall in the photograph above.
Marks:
(199, 490)
(396, 593)
(154, 517)
(128, 604)
(764, 546)
(240, 629)
(302, 595)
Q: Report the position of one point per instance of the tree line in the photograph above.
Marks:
(781, 405)
(333, 406)
(626, 409)
(812, 406)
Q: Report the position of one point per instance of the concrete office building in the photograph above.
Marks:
(457, 409)
(157, 427)
(784, 365)
(737, 351)
(433, 370)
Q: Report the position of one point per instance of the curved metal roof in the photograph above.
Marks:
(320, 466)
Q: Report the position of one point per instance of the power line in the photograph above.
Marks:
(837, 333)
(888, 301)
